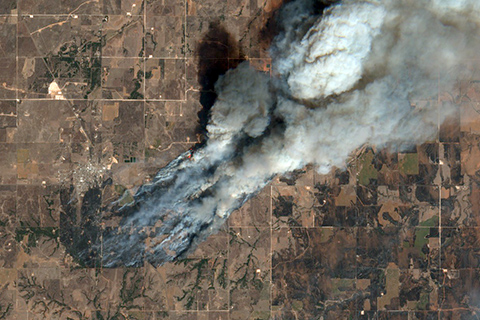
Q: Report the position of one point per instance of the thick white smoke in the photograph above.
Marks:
(341, 80)
(351, 79)
(329, 59)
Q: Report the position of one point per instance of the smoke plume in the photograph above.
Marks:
(342, 79)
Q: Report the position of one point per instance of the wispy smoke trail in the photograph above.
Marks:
(341, 80)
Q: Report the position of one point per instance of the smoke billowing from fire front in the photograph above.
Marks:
(341, 80)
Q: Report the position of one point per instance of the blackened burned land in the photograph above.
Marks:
(81, 231)
(80, 228)
(394, 236)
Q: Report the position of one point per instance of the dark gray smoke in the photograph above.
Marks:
(341, 80)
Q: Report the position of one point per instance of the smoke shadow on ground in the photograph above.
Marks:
(81, 232)
(272, 25)
(218, 51)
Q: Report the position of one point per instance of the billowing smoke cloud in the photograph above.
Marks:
(341, 80)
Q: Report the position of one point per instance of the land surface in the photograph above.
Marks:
(97, 95)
